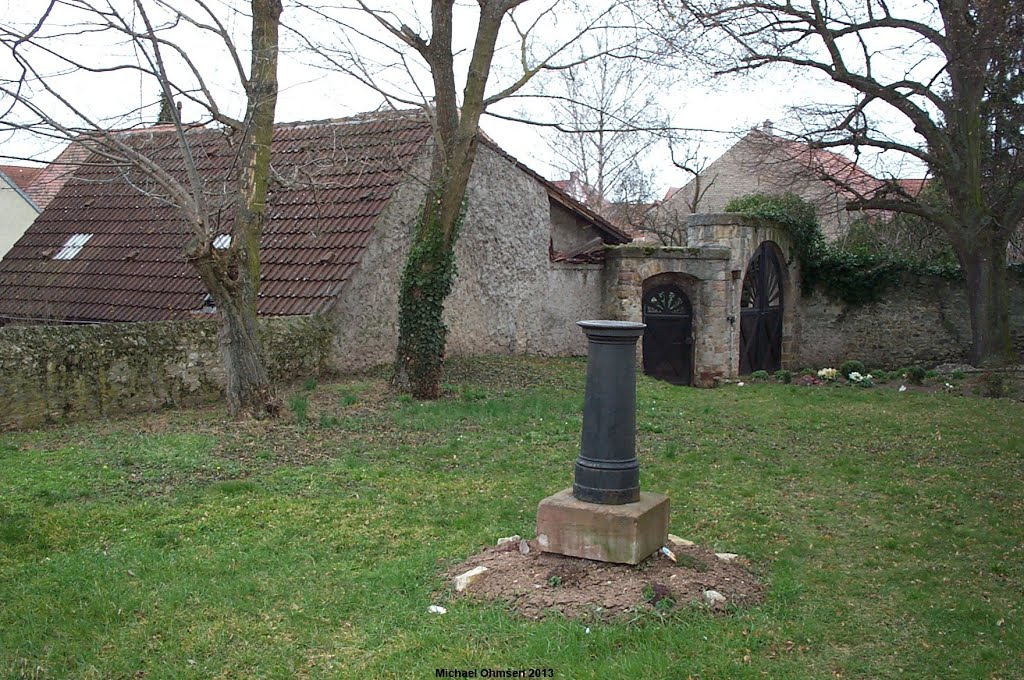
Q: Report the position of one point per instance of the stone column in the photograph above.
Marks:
(607, 471)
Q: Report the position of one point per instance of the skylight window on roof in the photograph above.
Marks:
(72, 246)
(222, 241)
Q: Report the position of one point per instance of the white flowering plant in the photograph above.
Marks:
(829, 374)
(861, 380)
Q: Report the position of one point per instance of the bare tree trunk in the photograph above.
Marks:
(984, 268)
(247, 382)
(234, 278)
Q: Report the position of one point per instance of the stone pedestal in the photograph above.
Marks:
(626, 533)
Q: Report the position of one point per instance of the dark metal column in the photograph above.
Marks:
(607, 470)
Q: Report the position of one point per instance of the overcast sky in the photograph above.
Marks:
(722, 110)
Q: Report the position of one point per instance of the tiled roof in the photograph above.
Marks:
(48, 182)
(913, 186)
(849, 179)
(21, 175)
(335, 178)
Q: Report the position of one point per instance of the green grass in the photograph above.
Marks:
(887, 526)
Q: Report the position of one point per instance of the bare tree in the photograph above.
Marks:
(691, 161)
(51, 94)
(607, 116)
(951, 70)
(422, 63)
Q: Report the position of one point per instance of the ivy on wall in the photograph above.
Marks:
(427, 279)
(853, 275)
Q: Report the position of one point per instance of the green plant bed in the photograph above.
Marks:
(885, 525)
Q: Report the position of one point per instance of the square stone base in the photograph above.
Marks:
(626, 534)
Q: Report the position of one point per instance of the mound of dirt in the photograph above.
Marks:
(537, 584)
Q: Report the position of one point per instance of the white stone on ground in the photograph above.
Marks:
(435, 609)
(508, 539)
(726, 557)
(713, 596)
(524, 547)
(672, 538)
(463, 581)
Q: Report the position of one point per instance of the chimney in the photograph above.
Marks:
(767, 127)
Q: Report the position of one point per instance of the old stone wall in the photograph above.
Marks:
(702, 273)
(62, 373)
(923, 320)
(508, 297)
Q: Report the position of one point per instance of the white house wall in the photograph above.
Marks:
(16, 214)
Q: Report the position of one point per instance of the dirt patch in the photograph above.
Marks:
(538, 584)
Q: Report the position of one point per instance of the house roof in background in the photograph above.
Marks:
(336, 176)
(21, 175)
(913, 186)
(48, 181)
(849, 179)
(334, 179)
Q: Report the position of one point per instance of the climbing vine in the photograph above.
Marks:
(853, 275)
(427, 280)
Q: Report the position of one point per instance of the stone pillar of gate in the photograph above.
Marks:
(605, 516)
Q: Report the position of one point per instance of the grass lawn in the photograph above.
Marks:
(888, 527)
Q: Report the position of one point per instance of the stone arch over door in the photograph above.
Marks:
(762, 308)
(668, 347)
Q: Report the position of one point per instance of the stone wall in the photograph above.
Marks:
(508, 297)
(61, 373)
(923, 320)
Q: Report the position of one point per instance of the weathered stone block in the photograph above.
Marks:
(625, 534)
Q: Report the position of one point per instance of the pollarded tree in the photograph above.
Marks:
(952, 70)
(67, 51)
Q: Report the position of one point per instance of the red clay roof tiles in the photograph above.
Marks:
(337, 176)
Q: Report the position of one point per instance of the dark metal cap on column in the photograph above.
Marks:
(607, 470)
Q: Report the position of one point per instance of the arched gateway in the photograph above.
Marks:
(761, 307)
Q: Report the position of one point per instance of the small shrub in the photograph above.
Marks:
(299, 405)
(309, 384)
(348, 399)
(807, 381)
(759, 376)
(828, 374)
(996, 385)
(852, 366)
(957, 375)
(783, 376)
(916, 375)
